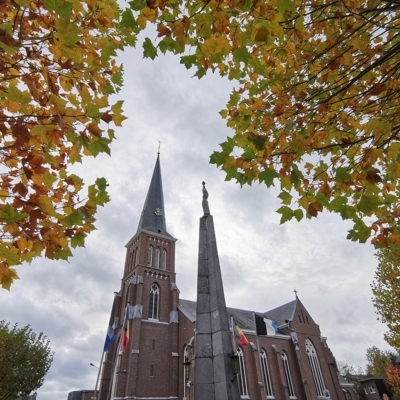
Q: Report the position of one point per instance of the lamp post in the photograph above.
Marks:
(235, 363)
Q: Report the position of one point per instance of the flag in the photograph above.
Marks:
(110, 336)
(265, 326)
(238, 333)
(125, 338)
(112, 324)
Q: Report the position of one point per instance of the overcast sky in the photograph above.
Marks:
(262, 262)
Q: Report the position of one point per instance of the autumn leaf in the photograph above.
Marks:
(55, 100)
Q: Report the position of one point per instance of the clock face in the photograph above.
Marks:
(158, 211)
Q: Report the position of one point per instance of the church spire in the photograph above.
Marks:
(153, 216)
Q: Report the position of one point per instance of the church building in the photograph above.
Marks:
(150, 347)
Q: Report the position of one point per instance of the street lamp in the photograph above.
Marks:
(235, 363)
(186, 365)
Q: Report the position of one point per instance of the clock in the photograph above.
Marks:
(158, 212)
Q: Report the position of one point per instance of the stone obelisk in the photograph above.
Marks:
(214, 378)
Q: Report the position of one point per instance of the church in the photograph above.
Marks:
(150, 346)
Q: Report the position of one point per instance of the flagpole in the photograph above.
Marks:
(233, 336)
(98, 375)
(259, 356)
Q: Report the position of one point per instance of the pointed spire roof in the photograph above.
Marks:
(153, 214)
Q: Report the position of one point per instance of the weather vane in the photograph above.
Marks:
(159, 145)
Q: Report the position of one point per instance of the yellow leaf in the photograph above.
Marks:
(117, 119)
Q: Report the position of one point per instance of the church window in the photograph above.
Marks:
(151, 370)
(131, 260)
(153, 303)
(266, 375)
(242, 373)
(164, 259)
(153, 345)
(316, 370)
(157, 258)
(307, 320)
(150, 256)
(135, 259)
(287, 374)
(299, 317)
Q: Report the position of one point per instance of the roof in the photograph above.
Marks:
(243, 318)
(153, 215)
(282, 314)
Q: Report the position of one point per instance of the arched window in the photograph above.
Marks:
(157, 258)
(136, 257)
(151, 370)
(316, 370)
(265, 370)
(150, 256)
(131, 260)
(153, 303)
(287, 374)
(242, 373)
(164, 259)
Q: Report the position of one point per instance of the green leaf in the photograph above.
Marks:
(101, 183)
(128, 20)
(360, 232)
(149, 51)
(62, 254)
(10, 255)
(295, 176)
(189, 61)
(93, 111)
(117, 78)
(15, 95)
(101, 145)
(230, 173)
(342, 175)
(78, 240)
(102, 198)
(10, 215)
(138, 5)
(49, 179)
(267, 176)
(217, 158)
(286, 197)
(368, 203)
(287, 214)
(347, 212)
(298, 214)
(337, 203)
(73, 219)
(241, 55)
(61, 7)
(285, 5)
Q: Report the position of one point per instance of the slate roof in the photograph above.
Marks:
(244, 318)
(149, 220)
(282, 313)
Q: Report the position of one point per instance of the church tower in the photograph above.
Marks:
(145, 311)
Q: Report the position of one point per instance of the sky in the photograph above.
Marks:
(262, 261)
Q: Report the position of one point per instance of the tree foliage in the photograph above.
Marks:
(57, 72)
(317, 102)
(393, 378)
(378, 361)
(25, 359)
(353, 375)
(386, 292)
